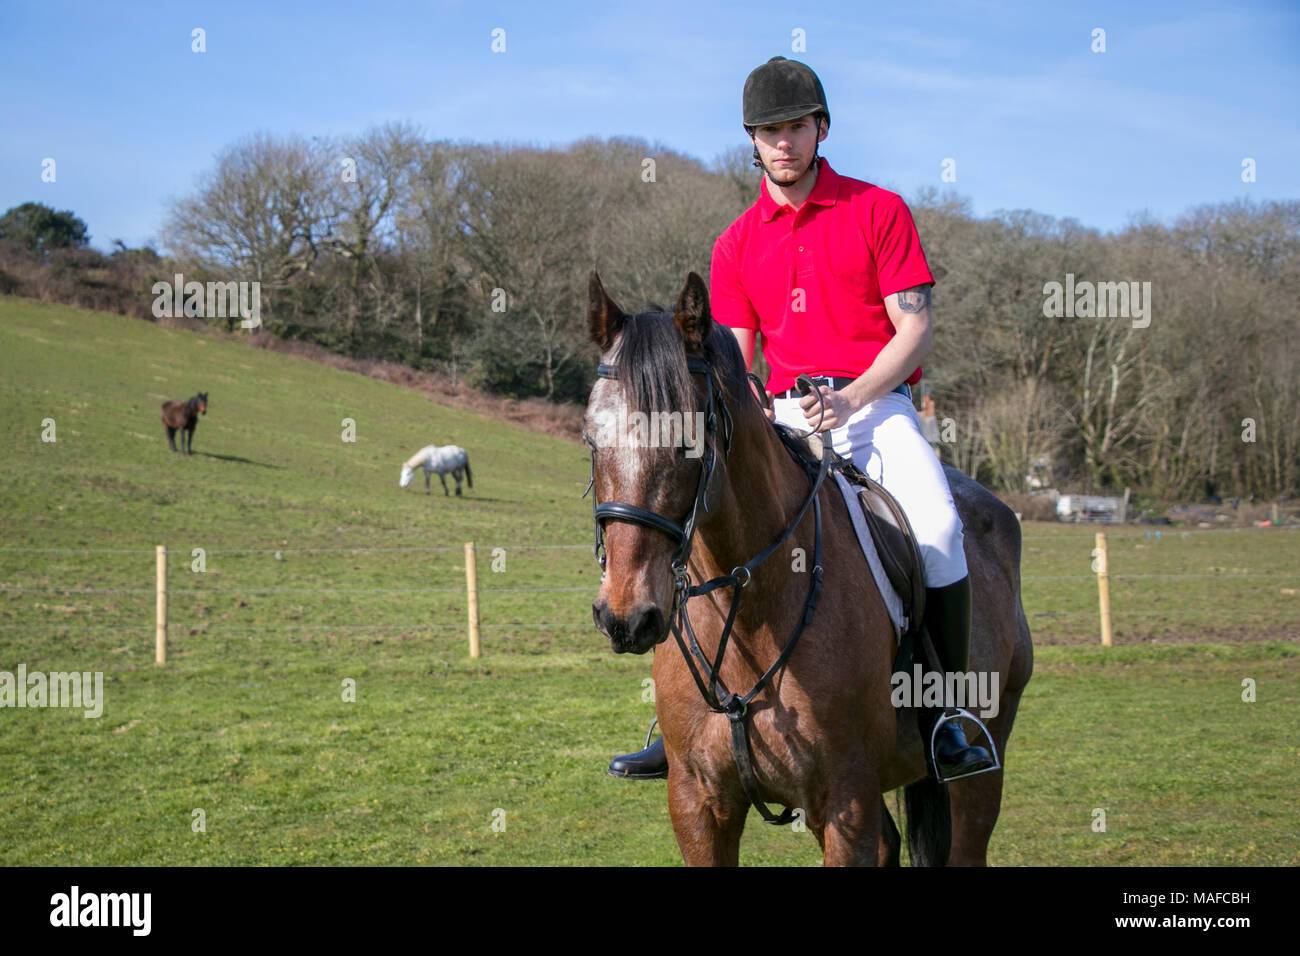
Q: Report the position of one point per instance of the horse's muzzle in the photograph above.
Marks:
(640, 631)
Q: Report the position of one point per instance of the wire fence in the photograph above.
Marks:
(164, 592)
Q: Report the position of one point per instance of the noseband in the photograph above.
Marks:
(716, 696)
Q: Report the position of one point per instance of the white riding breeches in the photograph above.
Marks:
(884, 440)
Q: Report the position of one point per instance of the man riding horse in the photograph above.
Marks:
(831, 272)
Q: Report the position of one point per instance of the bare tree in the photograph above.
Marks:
(372, 179)
(736, 167)
(523, 216)
(1019, 422)
(258, 216)
(428, 230)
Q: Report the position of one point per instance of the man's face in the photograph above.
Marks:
(786, 149)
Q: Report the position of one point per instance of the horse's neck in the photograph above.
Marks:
(419, 458)
(764, 491)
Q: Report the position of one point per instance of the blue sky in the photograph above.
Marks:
(1011, 91)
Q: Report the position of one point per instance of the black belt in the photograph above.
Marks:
(836, 383)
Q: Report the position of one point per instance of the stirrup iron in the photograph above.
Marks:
(956, 713)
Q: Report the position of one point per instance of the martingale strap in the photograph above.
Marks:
(716, 695)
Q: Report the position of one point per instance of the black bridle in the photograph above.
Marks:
(718, 698)
(683, 533)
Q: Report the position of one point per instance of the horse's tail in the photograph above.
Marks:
(469, 475)
(929, 822)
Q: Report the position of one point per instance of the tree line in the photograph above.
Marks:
(471, 260)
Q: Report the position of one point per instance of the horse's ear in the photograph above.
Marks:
(604, 317)
(691, 314)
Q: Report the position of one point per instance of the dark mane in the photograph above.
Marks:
(651, 365)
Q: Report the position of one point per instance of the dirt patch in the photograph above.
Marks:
(1218, 635)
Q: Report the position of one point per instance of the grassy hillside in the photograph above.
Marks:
(247, 721)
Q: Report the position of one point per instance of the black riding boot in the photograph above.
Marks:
(648, 764)
(947, 619)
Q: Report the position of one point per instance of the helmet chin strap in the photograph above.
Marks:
(758, 162)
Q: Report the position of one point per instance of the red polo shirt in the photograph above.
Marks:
(813, 281)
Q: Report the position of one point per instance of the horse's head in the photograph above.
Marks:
(657, 422)
(203, 403)
(407, 474)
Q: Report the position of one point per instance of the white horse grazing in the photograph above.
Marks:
(432, 458)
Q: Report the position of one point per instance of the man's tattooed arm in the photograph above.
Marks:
(916, 299)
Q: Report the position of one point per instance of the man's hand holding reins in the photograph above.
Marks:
(838, 408)
(909, 312)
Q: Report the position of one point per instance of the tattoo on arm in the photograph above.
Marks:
(916, 299)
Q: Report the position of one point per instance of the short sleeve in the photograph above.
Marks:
(900, 260)
(727, 298)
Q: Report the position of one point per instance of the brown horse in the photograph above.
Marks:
(184, 415)
(823, 738)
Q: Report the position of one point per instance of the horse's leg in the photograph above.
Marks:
(456, 474)
(443, 479)
(171, 438)
(974, 805)
(191, 441)
(853, 819)
(707, 825)
(428, 488)
(889, 846)
(976, 802)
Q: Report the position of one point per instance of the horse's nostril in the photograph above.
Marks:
(604, 618)
(646, 624)
(637, 632)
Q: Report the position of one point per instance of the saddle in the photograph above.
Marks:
(898, 557)
(891, 533)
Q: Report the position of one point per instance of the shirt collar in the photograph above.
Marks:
(824, 193)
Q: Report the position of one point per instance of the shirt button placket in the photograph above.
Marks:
(802, 258)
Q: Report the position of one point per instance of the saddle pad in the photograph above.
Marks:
(893, 603)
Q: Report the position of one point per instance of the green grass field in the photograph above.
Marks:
(246, 722)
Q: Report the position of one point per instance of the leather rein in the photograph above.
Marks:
(719, 699)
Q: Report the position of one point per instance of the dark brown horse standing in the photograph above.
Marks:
(184, 415)
(824, 737)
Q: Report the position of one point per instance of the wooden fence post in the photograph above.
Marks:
(471, 585)
(1103, 586)
(160, 625)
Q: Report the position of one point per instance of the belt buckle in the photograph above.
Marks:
(793, 392)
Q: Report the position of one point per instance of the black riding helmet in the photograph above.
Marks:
(779, 91)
